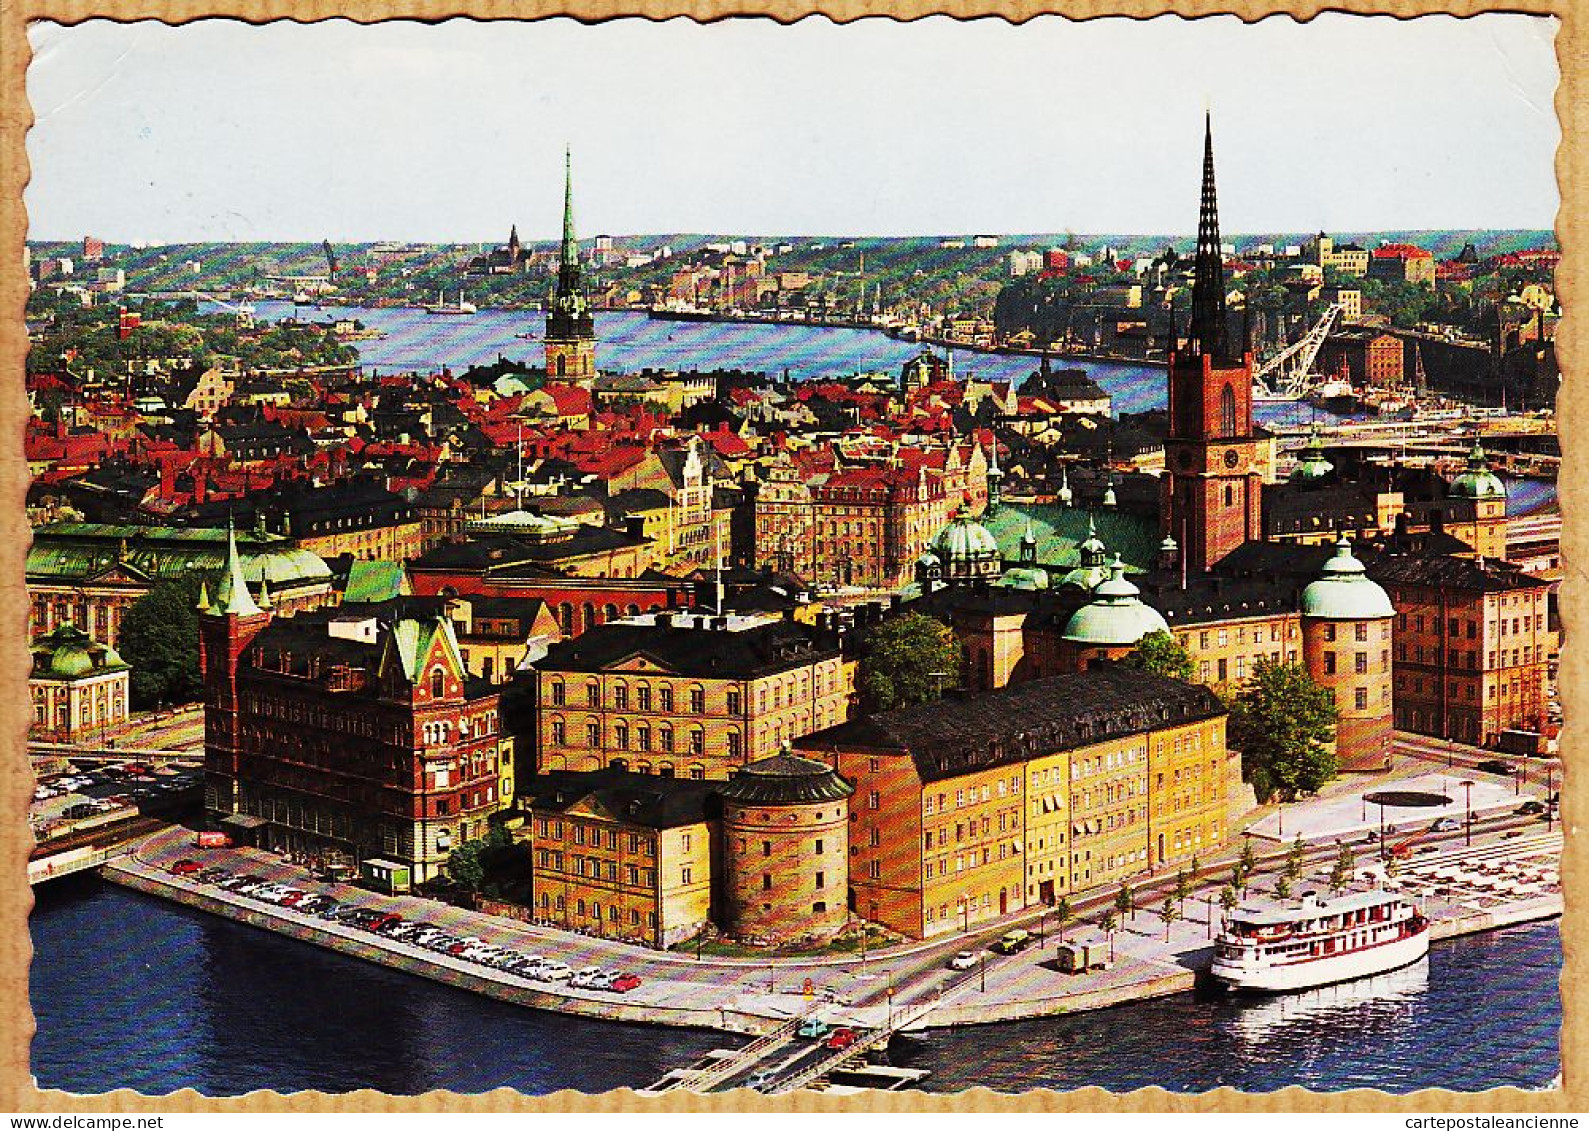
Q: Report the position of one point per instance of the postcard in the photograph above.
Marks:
(799, 561)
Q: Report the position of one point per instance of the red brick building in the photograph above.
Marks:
(346, 737)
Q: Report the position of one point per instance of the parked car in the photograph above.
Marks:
(1529, 808)
(963, 961)
(1427, 848)
(841, 1038)
(185, 868)
(586, 978)
(815, 1029)
(1495, 766)
(1445, 825)
(623, 983)
(384, 920)
(554, 972)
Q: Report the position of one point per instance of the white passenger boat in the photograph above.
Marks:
(1278, 947)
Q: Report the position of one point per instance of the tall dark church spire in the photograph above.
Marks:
(570, 329)
(1208, 278)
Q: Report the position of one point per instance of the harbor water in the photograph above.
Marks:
(132, 992)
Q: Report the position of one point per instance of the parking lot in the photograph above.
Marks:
(92, 790)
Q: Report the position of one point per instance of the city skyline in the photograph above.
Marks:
(115, 146)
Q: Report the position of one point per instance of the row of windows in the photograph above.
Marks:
(969, 796)
(1359, 662)
(548, 902)
(797, 688)
(642, 738)
(589, 867)
(967, 860)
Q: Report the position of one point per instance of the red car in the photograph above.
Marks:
(291, 898)
(185, 867)
(841, 1039)
(623, 983)
(385, 922)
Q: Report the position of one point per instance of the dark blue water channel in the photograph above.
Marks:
(129, 991)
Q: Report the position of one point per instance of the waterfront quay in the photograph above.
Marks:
(1459, 885)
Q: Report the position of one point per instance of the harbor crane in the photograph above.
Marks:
(1285, 376)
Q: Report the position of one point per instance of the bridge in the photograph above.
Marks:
(784, 1061)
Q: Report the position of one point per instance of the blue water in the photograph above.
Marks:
(629, 340)
(129, 991)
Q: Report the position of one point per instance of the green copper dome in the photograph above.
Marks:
(1478, 481)
(1116, 616)
(965, 539)
(1025, 577)
(1344, 592)
(70, 653)
(1312, 466)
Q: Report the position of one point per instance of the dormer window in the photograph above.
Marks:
(438, 683)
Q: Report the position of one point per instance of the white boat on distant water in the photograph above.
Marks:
(1278, 947)
(442, 306)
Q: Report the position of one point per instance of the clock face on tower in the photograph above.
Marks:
(1231, 458)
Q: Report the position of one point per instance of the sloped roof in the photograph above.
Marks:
(1007, 726)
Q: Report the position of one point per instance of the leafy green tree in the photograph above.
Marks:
(1249, 858)
(1238, 877)
(1064, 913)
(907, 660)
(1126, 901)
(1282, 722)
(160, 639)
(1161, 653)
(1183, 888)
(1169, 913)
(469, 863)
(1228, 899)
(1283, 887)
(1345, 868)
(1108, 924)
(1295, 856)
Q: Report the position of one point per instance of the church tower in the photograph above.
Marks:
(570, 329)
(226, 628)
(1212, 485)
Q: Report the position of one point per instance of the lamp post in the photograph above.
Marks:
(983, 987)
(1550, 798)
(1467, 787)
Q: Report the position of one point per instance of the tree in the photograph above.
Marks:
(160, 639)
(1169, 913)
(1183, 888)
(1228, 899)
(1249, 858)
(1161, 653)
(1125, 901)
(1294, 858)
(1194, 868)
(1282, 722)
(1238, 877)
(1064, 913)
(469, 863)
(1107, 924)
(1345, 868)
(906, 660)
(1283, 887)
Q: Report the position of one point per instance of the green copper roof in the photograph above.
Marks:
(964, 539)
(372, 582)
(1345, 591)
(1116, 616)
(231, 595)
(1312, 465)
(68, 653)
(1478, 481)
(1025, 577)
(77, 551)
(1061, 531)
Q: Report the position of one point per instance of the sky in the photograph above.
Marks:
(220, 130)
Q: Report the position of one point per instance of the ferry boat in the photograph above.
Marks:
(442, 306)
(1281, 947)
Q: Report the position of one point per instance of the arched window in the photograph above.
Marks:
(1227, 411)
(438, 683)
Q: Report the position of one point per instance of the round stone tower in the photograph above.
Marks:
(1346, 631)
(786, 849)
